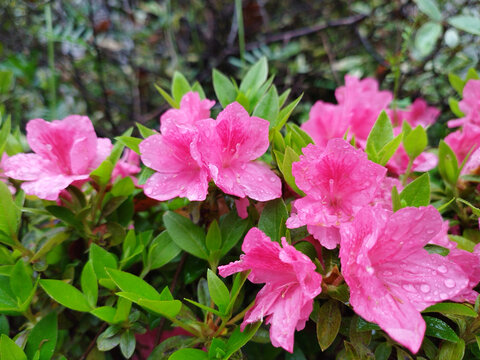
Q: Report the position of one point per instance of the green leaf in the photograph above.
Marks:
(285, 113)
(452, 309)
(380, 135)
(268, 107)
(180, 86)
(214, 237)
(66, 215)
(118, 148)
(102, 259)
(240, 338)
(457, 83)
(127, 343)
(224, 89)
(21, 281)
(133, 284)
(439, 329)
(453, 103)
(389, 149)
(415, 142)
(427, 37)
(272, 220)
(417, 193)
(188, 236)
(447, 163)
(4, 325)
(123, 187)
(189, 354)
(65, 294)
(105, 313)
(218, 291)
(102, 174)
(123, 310)
(10, 214)
(255, 77)
(161, 251)
(475, 210)
(328, 323)
(232, 228)
(470, 24)
(88, 281)
(4, 132)
(43, 337)
(363, 325)
(166, 96)
(289, 158)
(204, 307)
(144, 131)
(9, 350)
(131, 142)
(430, 8)
(452, 351)
(168, 308)
(196, 87)
(383, 351)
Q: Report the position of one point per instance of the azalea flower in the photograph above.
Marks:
(469, 105)
(326, 121)
(470, 263)
(65, 152)
(128, 165)
(418, 113)
(383, 196)
(462, 142)
(363, 103)
(191, 151)
(229, 147)
(4, 178)
(398, 163)
(192, 109)
(291, 284)
(338, 181)
(391, 276)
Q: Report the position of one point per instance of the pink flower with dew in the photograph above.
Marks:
(390, 274)
(229, 146)
(462, 142)
(363, 103)
(192, 109)
(174, 156)
(470, 105)
(3, 177)
(338, 181)
(65, 152)
(418, 113)
(398, 163)
(291, 284)
(470, 264)
(383, 196)
(128, 165)
(326, 121)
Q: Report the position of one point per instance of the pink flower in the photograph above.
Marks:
(3, 178)
(65, 152)
(383, 196)
(326, 121)
(470, 105)
(464, 140)
(398, 163)
(178, 164)
(128, 165)
(419, 113)
(391, 276)
(363, 104)
(291, 284)
(470, 264)
(192, 109)
(229, 146)
(338, 181)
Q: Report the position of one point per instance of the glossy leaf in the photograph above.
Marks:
(65, 294)
(328, 323)
(43, 337)
(218, 291)
(272, 220)
(417, 193)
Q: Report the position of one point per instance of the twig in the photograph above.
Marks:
(92, 343)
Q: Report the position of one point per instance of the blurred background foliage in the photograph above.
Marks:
(103, 57)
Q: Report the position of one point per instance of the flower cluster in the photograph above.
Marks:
(192, 149)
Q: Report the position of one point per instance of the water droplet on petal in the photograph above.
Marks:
(449, 283)
(387, 273)
(442, 269)
(425, 288)
(443, 296)
(408, 287)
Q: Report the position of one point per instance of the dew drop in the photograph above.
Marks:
(259, 179)
(443, 296)
(387, 273)
(449, 283)
(425, 288)
(442, 269)
(408, 287)
(273, 178)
